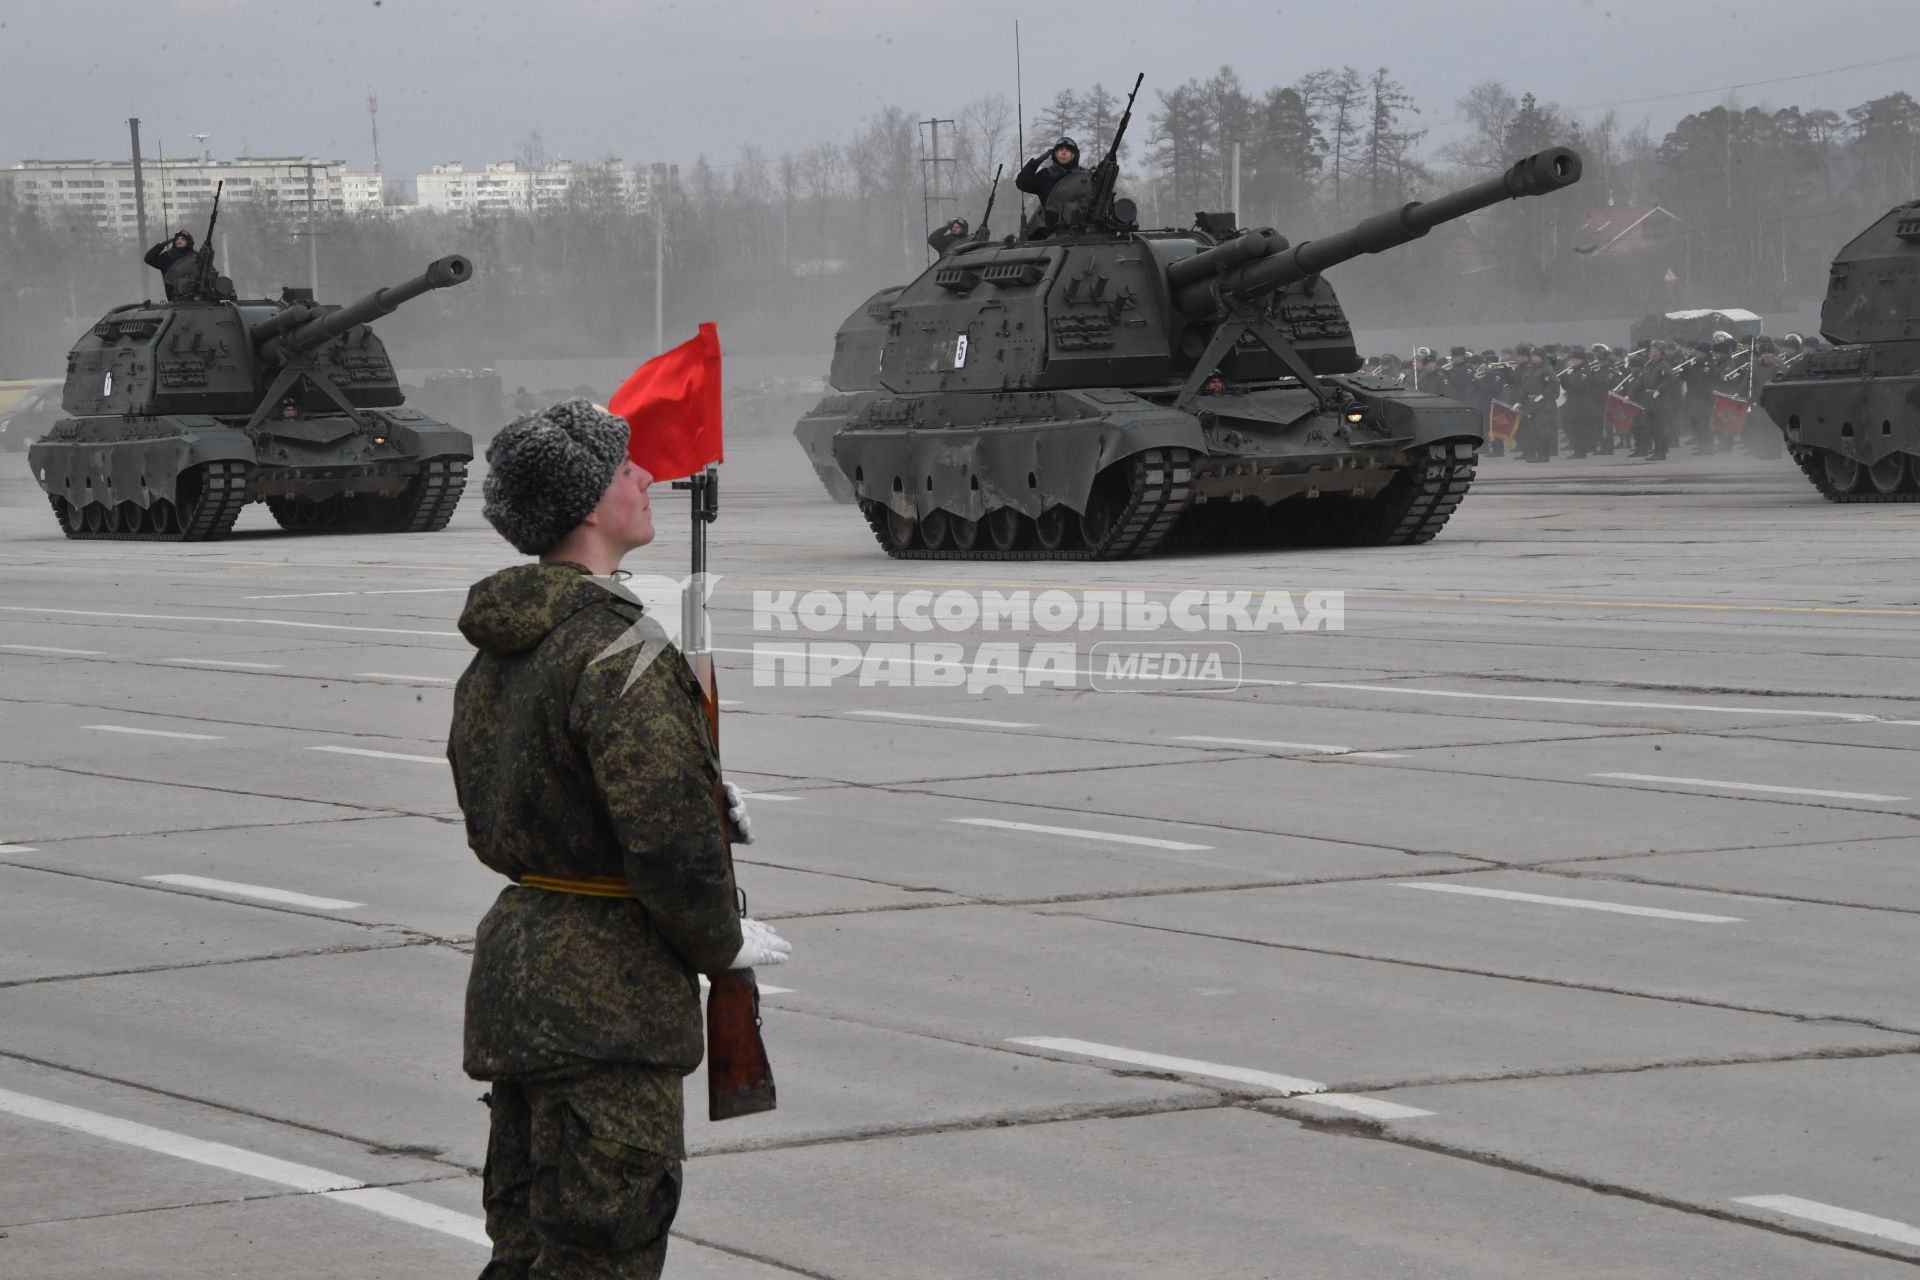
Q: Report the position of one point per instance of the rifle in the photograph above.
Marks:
(993, 193)
(1107, 172)
(203, 273)
(739, 1077)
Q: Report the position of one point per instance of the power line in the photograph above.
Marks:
(1747, 84)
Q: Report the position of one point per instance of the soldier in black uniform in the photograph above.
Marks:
(1457, 376)
(174, 260)
(1586, 397)
(946, 237)
(1042, 173)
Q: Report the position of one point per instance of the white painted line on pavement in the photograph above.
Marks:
(1834, 1216)
(1853, 716)
(767, 795)
(401, 591)
(380, 755)
(1263, 744)
(915, 715)
(225, 662)
(389, 675)
(1751, 786)
(47, 648)
(251, 1164)
(1588, 904)
(1372, 1108)
(731, 702)
(256, 622)
(1081, 834)
(17, 848)
(260, 891)
(1288, 1085)
(154, 733)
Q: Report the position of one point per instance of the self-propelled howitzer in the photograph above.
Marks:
(183, 412)
(1048, 397)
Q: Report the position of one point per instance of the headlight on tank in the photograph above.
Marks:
(1356, 416)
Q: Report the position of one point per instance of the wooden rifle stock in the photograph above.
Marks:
(739, 1076)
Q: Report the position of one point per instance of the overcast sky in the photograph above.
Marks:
(469, 79)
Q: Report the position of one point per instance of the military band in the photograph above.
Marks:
(1594, 400)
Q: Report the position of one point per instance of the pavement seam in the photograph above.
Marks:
(369, 811)
(1833, 1054)
(1375, 1131)
(1601, 877)
(750, 1256)
(425, 1155)
(50, 841)
(1663, 997)
(288, 1193)
(414, 937)
(339, 949)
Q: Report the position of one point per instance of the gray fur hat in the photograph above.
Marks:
(547, 471)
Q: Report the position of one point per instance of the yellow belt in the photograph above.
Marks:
(585, 886)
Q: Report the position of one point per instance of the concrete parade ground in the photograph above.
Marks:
(1558, 917)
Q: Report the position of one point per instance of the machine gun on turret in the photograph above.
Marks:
(993, 193)
(206, 280)
(290, 337)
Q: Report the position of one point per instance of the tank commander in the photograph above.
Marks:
(174, 260)
(1215, 384)
(289, 409)
(948, 236)
(588, 782)
(1042, 173)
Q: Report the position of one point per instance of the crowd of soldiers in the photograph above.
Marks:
(1543, 396)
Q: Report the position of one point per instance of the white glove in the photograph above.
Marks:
(737, 814)
(761, 946)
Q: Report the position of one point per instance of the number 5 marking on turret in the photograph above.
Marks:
(960, 352)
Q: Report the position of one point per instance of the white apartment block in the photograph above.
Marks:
(178, 190)
(509, 187)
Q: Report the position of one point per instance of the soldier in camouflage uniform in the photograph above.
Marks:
(590, 786)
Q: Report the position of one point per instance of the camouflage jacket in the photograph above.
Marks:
(562, 770)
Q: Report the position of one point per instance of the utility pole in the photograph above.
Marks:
(1019, 115)
(373, 121)
(931, 164)
(1233, 196)
(659, 195)
(313, 245)
(160, 162)
(139, 184)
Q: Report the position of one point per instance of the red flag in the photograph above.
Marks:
(1620, 414)
(672, 402)
(1729, 414)
(1503, 421)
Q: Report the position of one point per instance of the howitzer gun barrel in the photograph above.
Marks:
(281, 322)
(1537, 175)
(443, 273)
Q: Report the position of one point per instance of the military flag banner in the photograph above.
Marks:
(1620, 414)
(1729, 414)
(672, 402)
(1503, 421)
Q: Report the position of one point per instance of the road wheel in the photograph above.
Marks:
(1057, 529)
(1008, 529)
(1892, 474)
(962, 535)
(934, 527)
(1843, 473)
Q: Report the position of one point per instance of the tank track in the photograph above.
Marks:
(1808, 459)
(442, 482)
(213, 516)
(425, 507)
(1160, 486)
(1440, 479)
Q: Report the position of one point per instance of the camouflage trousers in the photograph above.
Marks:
(567, 1192)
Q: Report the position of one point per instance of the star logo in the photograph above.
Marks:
(669, 617)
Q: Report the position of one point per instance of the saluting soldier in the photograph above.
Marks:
(587, 782)
(1539, 416)
(1585, 400)
(174, 260)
